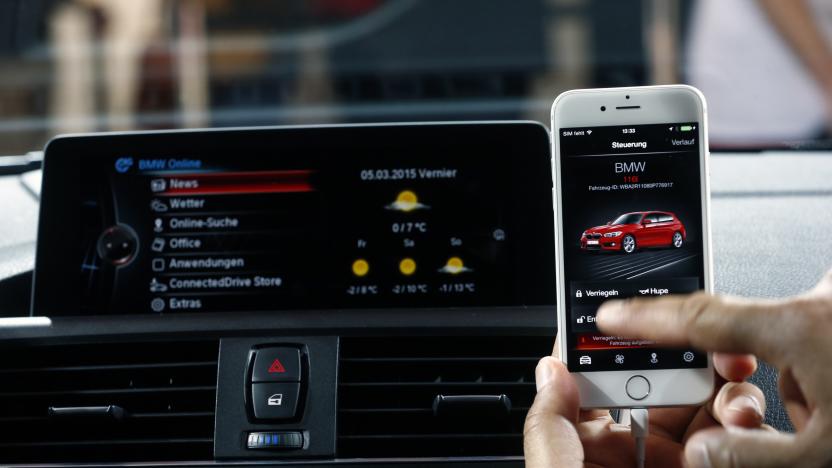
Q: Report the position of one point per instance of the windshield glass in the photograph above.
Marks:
(103, 65)
(630, 218)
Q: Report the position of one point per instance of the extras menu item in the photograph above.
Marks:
(300, 218)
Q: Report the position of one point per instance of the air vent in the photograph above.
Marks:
(108, 402)
(389, 389)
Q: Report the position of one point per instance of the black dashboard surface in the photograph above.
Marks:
(784, 195)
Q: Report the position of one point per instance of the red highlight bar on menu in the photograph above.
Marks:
(238, 183)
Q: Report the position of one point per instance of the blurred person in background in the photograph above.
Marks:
(124, 29)
(766, 68)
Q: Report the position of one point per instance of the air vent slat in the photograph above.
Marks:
(191, 414)
(521, 409)
(109, 391)
(387, 388)
(384, 410)
(425, 424)
(436, 384)
(165, 393)
(95, 443)
(171, 415)
(432, 436)
(109, 367)
(434, 360)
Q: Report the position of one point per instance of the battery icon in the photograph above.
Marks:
(686, 128)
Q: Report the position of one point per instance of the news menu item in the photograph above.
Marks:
(632, 227)
(362, 222)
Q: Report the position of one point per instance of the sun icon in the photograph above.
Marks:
(454, 266)
(406, 201)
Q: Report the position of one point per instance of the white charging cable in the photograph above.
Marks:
(639, 429)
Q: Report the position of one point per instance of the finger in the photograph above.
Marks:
(702, 420)
(769, 428)
(607, 443)
(549, 434)
(595, 415)
(678, 423)
(706, 322)
(671, 423)
(824, 286)
(556, 348)
(739, 404)
(718, 447)
(793, 399)
(735, 367)
(734, 405)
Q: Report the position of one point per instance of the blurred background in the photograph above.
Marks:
(98, 65)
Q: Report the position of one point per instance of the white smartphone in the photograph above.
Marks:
(631, 200)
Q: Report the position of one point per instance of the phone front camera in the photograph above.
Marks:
(603, 108)
(627, 97)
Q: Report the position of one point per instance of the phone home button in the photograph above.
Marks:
(638, 387)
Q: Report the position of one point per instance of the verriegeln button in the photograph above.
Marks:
(281, 364)
(638, 387)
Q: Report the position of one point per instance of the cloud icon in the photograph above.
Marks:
(407, 201)
(454, 266)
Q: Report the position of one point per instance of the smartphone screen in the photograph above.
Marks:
(631, 227)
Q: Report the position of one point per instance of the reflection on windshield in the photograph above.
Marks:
(96, 65)
(627, 219)
(768, 76)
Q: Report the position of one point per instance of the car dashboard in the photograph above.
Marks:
(353, 355)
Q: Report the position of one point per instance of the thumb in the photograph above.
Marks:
(549, 435)
(711, 323)
(735, 447)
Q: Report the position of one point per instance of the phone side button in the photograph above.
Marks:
(638, 387)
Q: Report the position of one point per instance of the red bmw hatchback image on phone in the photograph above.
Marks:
(632, 231)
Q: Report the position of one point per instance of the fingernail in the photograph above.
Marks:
(609, 313)
(745, 403)
(543, 374)
(698, 456)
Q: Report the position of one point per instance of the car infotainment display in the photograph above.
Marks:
(296, 218)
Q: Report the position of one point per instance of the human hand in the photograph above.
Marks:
(794, 335)
(558, 434)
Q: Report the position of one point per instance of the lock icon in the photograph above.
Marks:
(579, 294)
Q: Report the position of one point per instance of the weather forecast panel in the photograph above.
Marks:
(196, 230)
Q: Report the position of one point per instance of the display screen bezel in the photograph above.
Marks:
(56, 266)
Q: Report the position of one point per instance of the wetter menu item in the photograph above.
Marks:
(297, 218)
